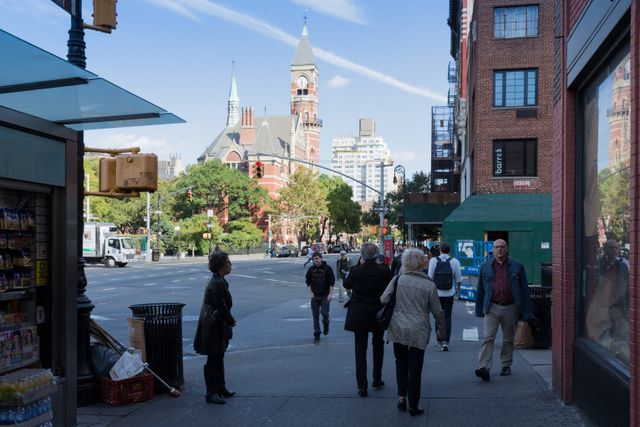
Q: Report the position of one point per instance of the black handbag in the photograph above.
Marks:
(383, 316)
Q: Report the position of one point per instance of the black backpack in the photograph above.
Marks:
(443, 274)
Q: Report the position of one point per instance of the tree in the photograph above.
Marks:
(614, 188)
(192, 229)
(216, 185)
(344, 213)
(242, 234)
(304, 200)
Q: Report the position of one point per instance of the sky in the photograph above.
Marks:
(379, 59)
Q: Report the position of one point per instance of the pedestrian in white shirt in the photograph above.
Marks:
(445, 271)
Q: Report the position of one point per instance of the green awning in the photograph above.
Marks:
(427, 213)
(506, 208)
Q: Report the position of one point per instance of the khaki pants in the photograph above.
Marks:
(506, 317)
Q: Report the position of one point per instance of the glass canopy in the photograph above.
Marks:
(40, 84)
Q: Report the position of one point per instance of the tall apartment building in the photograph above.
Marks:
(508, 126)
(168, 169)
(360, 158)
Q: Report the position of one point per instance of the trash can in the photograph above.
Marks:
(155, 254)
(163, 341)
(541, 306)
(545, 274)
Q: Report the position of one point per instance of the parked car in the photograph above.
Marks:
(282, 250)
(319, 247)
(338, 247)
(293, 250)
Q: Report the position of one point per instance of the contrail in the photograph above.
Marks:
(207, 7)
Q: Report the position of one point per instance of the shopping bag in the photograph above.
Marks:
(524, 335)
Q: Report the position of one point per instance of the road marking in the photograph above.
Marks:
(175, 287)
(115, 278)
(189, 318)
(109, 289)
(470, 334)
(191, 278)
(244, 275)
(101, 318)
(150, 284)
(272, 280)
(175, 281)
(306, 305)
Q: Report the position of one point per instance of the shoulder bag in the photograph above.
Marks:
(383, 316)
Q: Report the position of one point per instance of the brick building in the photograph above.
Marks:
(596, 298)
(247, 139)
(505, 108)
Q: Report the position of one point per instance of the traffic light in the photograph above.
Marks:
(104, 14)
(385, 230)
(259, 170)
(190, 195)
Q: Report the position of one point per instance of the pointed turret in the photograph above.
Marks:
(304, 53)
(233, 105)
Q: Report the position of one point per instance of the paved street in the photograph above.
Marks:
(283, 379)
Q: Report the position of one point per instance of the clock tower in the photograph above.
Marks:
(304, 99)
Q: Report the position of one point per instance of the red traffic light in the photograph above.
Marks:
(258, 164)
(259, 171)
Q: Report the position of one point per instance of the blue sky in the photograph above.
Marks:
(380, 59)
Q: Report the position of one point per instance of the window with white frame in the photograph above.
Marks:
(515, 21)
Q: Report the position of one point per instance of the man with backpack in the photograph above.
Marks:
(445, 271)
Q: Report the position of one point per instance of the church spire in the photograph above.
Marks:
(233, 105)
(304, 52)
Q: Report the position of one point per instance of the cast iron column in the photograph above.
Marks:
(87, 386)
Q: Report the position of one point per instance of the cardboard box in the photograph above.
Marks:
(136, 336)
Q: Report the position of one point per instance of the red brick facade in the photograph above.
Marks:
(568, 15)
(488, 123)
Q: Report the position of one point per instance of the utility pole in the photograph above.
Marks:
(381, 204)
(148, 254)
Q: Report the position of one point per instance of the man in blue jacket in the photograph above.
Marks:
(502, 297)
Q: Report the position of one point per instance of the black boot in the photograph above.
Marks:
(325, 329)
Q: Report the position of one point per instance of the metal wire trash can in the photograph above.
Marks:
(163, 340)
(541, 306)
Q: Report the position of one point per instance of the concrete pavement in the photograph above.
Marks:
(313, 385)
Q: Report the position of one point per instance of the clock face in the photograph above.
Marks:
(302, 82)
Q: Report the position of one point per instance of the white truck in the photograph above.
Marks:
(100, 244)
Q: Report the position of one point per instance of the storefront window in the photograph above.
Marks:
(604, 296)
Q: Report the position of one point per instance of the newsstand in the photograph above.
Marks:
(163, 341)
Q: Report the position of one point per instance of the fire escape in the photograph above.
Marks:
(445, 153)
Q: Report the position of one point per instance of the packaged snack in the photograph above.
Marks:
(3, 283)
(12, 242)
(8, 262)
(3, 240)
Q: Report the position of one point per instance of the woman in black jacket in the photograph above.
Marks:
(215, 328)
(367, 281)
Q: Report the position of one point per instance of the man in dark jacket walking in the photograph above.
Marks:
(320, 281)
(367, 281)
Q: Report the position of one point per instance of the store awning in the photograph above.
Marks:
(38, 83)
(503, 208)
(427, 213)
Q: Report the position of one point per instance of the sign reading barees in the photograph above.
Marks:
(67, 5)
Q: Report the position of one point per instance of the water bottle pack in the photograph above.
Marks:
(22, 413)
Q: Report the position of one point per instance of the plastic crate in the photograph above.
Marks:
(132, 390)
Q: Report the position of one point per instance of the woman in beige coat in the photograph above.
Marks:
(410, 327)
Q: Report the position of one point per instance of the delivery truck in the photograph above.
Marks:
(101, 244)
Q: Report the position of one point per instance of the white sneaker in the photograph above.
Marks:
(445, 347)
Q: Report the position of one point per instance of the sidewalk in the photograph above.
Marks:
(314, 385)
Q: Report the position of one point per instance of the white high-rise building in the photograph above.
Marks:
(168, 169)
(360, 157)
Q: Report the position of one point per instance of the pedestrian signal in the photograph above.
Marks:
(259, 170)
(386, 230)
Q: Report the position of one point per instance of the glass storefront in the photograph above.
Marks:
(604, 251)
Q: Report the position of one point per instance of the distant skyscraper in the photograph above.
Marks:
(171, 168)
(359, 157)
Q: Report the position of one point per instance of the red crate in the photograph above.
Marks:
(131, 390)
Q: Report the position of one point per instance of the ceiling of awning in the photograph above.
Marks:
(40, 84)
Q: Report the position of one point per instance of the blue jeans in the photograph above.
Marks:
(319, 305)
(447, 306)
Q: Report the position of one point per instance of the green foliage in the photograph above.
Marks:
(616, 202)
(304, 200)
(242, 234)
(217, 186)
(191, 230)
(344, 213)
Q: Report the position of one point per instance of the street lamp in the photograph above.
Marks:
(399, 170)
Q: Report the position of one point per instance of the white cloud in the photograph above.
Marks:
(343, 9)
(124, 140)
(337, 82)
(254, 24)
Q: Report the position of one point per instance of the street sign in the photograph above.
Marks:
(209, 213)
(68, 5)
